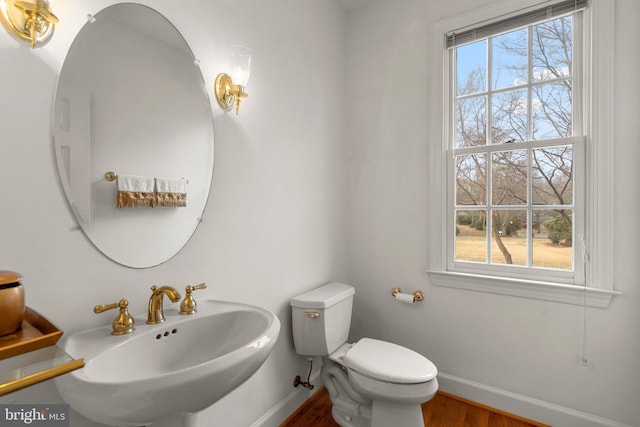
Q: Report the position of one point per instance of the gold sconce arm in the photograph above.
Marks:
(227, 93)
(29, 20)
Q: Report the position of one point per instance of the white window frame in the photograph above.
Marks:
(597, 93)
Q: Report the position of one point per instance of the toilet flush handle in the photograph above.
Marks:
(312, 314)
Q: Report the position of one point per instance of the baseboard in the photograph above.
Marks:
(535, 409)
(285, 407)
(514, 403)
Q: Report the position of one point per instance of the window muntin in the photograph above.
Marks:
(513, 208)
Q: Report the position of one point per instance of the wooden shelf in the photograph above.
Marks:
(36, 332)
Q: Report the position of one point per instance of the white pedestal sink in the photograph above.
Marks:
(180, 366)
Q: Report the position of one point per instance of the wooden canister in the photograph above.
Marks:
(12, 305)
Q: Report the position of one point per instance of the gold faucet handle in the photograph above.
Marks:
(188, 304)
(123, 323)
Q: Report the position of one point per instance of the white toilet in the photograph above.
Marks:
(370, 383)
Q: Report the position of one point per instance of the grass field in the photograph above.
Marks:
(471, 246)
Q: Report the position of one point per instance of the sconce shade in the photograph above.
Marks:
(240, 65)
(29, 20)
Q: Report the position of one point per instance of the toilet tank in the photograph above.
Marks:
(321, 319)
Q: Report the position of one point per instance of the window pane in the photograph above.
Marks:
(552, 116)
(553, 239)
(509, 237)
(552, 176)
(471, 68)
(509, 178)
(552, 49)
(509, 59)
(509, 116)
(471, 180)
(471, 121)
(471, 236)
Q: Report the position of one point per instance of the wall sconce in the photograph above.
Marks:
(229, 88)
(30, 20)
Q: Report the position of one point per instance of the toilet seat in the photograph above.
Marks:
(388, 362)
(393, 392)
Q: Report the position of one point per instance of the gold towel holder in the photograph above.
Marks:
(417, 295)
(112, 176)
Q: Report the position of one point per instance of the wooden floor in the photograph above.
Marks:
(444, 410)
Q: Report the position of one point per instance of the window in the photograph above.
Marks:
(514, 149)
(519, 215)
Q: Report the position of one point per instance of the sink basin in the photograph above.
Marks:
(180, 366)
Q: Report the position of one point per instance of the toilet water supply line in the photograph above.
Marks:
(306, 384)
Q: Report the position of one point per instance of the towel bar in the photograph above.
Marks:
(112, 176)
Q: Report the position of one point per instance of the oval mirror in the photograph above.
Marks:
(131, 100)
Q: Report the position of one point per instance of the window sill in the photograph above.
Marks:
(562, 293)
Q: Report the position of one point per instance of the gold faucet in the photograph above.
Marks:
(123, 323)
(189, 305)
(156, 314)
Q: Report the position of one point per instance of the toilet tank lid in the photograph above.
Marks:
(324, 296)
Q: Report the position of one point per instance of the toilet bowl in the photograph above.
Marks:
(371, 383)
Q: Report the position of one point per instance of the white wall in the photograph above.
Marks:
(275, 222)
(506, 344)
